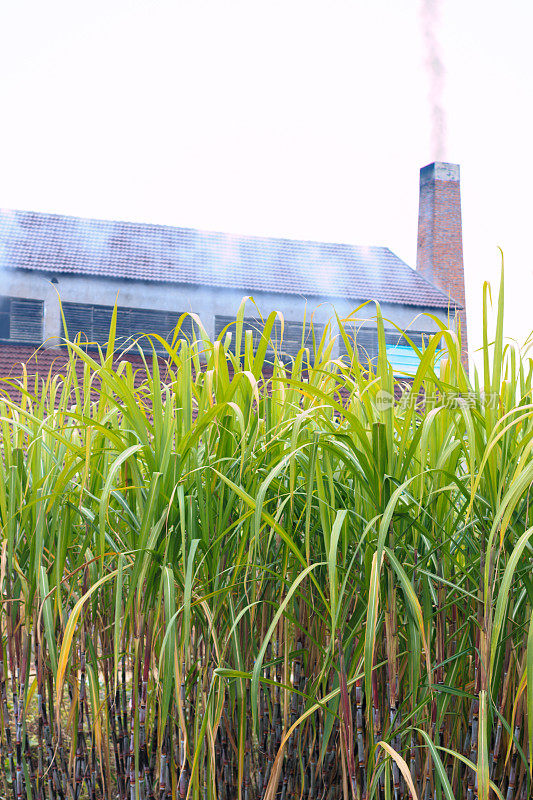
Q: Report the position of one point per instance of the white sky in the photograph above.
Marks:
(299, 118)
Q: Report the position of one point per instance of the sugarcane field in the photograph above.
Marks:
(233, 575)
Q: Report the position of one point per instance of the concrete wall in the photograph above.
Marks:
(207, 302)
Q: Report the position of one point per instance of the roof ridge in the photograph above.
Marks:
(59, 243)
(166, 226)
(425, 280)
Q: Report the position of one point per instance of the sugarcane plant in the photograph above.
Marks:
(232, 575)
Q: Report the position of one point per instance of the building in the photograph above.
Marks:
(156, 273)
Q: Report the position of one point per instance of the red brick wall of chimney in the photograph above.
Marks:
(440, 238)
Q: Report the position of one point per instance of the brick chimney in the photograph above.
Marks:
(440, 238)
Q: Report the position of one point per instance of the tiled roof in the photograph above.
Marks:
(59, 244)
(42, 361)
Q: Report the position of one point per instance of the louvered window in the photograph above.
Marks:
(396, 339)
(366, 338)
(94, 322)
(286, 346)
(367, 344)
(21, 320)
(5, 305)
(399, 351)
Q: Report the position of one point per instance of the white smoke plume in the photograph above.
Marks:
(430, 18)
